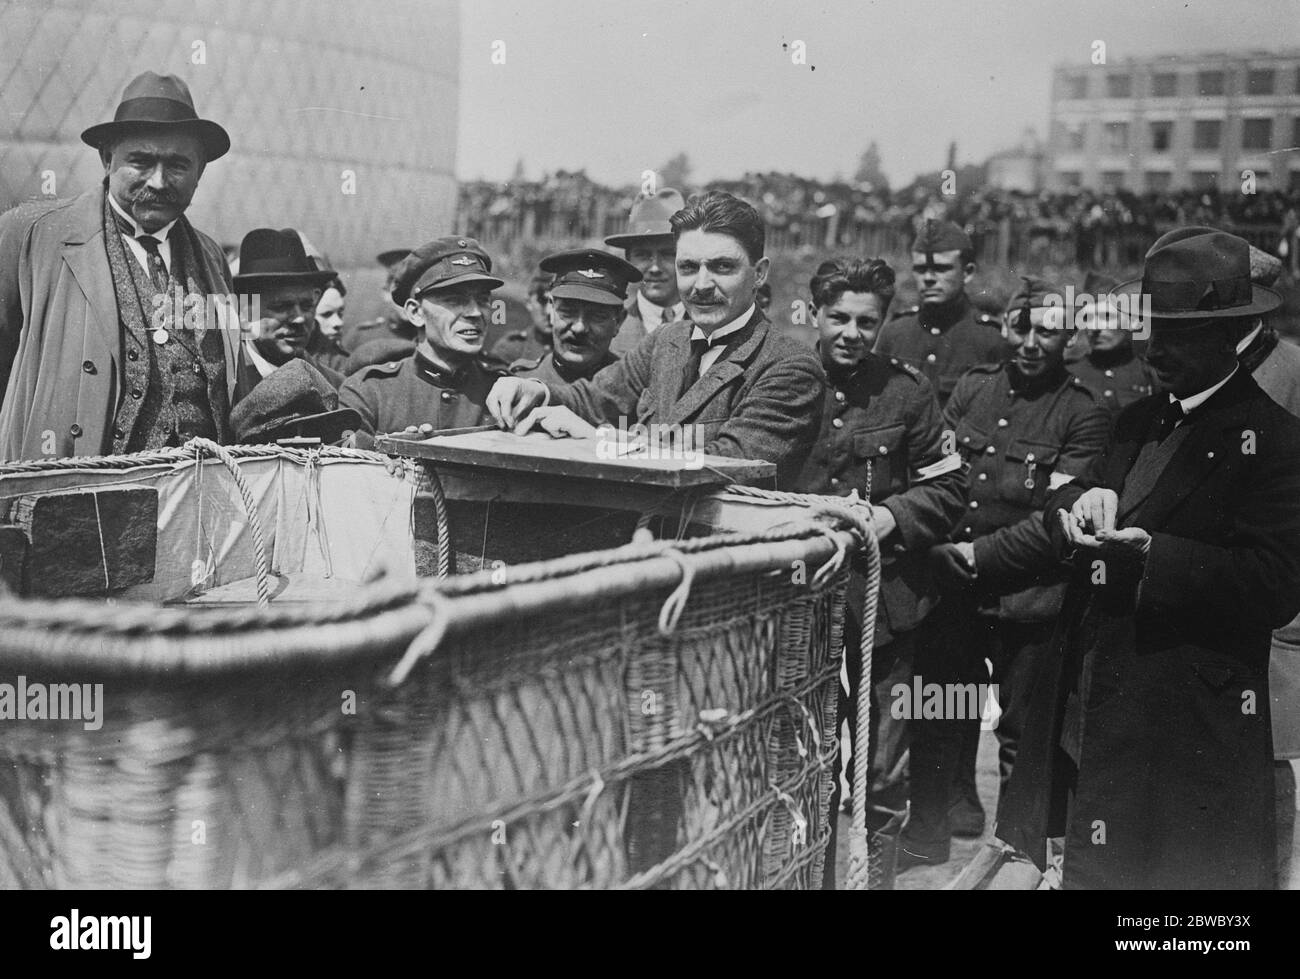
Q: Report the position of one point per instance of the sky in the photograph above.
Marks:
(621, 86)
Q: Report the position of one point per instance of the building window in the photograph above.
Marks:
(1158, 181)
(1072, 178)
(1076, 86)
(1295, 131)
(1112, 180)
(1259, 81)
(1209, 83)
(1116, 136)
(1162, 136)
(1119, 86)
(1207, 134)
(1205, 179)
(1256, 134)
(1074, 135)
(1164, 85)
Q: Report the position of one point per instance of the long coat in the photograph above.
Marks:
(1164, 664)
(762, 398)
(61, 355)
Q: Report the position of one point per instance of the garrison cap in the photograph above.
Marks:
(1036, 292)
(441, 264)
(941, 236)
(591, 275)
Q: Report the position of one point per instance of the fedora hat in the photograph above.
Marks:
(649, 218)
(152, 101)
(1197, 273)
(293, 400)
(268, 257)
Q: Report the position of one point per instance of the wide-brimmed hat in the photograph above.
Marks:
(649, 218)
(1195, 274)
(268, 257)
(293, 400)
(152, 101)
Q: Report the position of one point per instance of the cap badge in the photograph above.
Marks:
(591, 273)
(462, 243)
(463, 260)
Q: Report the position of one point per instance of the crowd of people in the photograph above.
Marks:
(1099, 522)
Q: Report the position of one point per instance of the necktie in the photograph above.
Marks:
(669, 315)
(692, 372)
(157, 268)
(1169, 418)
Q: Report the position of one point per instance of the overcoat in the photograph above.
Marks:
(61, 362)
(1157, 681)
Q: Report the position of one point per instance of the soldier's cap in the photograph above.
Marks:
(590, 274)
(941, 236)
(648, 218)
(392, 256)
(1035, 292)
(271, 258)
(1197, 273)
(293, 400)
(441, 264)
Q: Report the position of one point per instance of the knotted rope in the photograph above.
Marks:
(200, 446)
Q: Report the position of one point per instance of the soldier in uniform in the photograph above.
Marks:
(389, 327)
(945, 335)
(881, 438)
(445, 288)
(587, 308)
(534, 342)
(1110, 367)
(648, 244)
(1025, 428)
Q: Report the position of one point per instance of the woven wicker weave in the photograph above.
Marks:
(502, 723)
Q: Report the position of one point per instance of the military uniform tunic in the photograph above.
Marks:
(547, 369)
(1117, 381)
(943, 343)
(415, 391)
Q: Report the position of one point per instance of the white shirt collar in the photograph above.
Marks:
(726, 329)
(161, 234)
(1249, 338)
(1196, 400)
(652, 314)
(264, 366)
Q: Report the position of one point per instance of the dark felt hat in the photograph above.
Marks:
(293, 400)
(649, 218)
(441, 264)
(152, 101)
(268, 258)
(590, 274)
(1196, 273)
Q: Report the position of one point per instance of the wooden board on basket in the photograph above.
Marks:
(578, 458)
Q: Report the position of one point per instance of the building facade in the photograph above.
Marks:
(1177, 122)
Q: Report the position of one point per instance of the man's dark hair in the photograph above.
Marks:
(720, 213)
(836, 276)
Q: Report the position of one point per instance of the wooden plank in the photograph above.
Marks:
(577, 458)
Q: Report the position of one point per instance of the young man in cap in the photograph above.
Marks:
(1109, 365)
(587, 306)
(945, 335)
(86, 365)
(275, 268)
(445, 288)
(881, 438)
(533, 343)
(392, 326)
(1024, 428)
(747, 390)
(648, 244)
(1151, 748)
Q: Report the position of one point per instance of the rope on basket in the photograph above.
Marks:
(199, 446)
(442, 524)
(675, 603)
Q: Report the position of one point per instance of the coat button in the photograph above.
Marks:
(1109, 394)
(934, 331)
(448, 395)
(990, 450)
(88, 366)
(1002, 423)
(834, 481)
(838, 422)
(983, 477)
(884, 450)
(1110, 373)
(930, 358)
(118, 433)
(132, 355)
(75, 431)
(974, 504)
(137, 393)
(839, 395)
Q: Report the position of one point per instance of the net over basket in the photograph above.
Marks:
(656, 715)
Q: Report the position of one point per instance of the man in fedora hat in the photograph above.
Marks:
(649, 245)
(295, 401)
(445, 288)
(274, 267)
(587, 307)
(92, 360)
(1150, 744)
